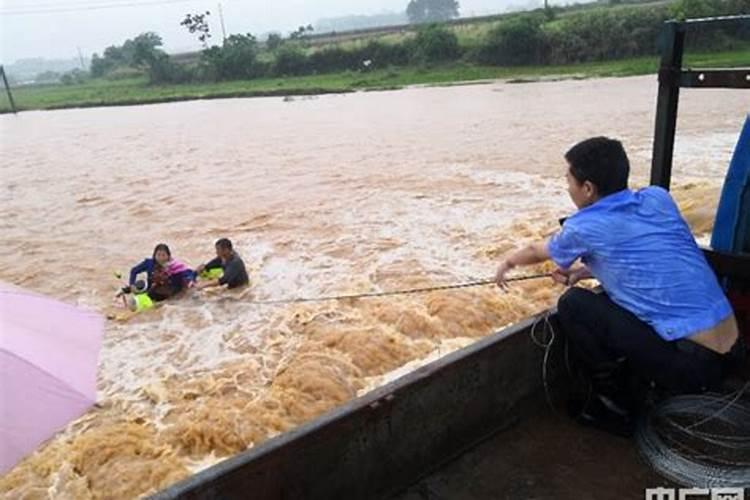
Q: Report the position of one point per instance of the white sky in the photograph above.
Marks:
(58, 34)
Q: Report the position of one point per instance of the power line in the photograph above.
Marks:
(100, 6)
(23, 5)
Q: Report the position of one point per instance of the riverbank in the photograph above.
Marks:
(102, 92)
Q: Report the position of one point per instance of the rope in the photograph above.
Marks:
(545, 343)
(410, 291)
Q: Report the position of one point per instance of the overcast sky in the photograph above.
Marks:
(67, 24)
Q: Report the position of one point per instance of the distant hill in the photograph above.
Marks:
(27, 70)
(347, 23)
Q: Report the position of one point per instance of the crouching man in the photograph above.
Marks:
(662, 315)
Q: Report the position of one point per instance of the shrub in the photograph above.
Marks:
(236, 59)
(516, 41)
(74, 77)
(435, 44)
(124, 73)
(332, 59)
(162, 69)
(291, 60)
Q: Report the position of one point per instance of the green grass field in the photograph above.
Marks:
(138, 91)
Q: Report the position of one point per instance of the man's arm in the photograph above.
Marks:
(531, 254)
(207, 284)
(212, 264)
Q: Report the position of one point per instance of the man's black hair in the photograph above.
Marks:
(224, 243)
(601, 161)
(162, 246)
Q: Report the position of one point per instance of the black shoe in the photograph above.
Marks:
(603, 413)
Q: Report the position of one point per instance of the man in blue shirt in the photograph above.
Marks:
(662, 315)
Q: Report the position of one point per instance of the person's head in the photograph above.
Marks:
(140, 286)
(162, 255)
(224, 248)
(597, 167)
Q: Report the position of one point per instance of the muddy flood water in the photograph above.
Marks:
(335, 194)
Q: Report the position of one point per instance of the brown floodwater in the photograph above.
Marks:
(321, 195)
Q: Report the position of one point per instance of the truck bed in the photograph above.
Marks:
(544, 455)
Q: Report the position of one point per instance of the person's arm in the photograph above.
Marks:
(531, 254)
(140, 268)
(208, 284)
(183, 279)
(211, 264)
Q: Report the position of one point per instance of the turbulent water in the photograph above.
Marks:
(335, 194)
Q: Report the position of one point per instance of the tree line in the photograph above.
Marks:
(550, 37)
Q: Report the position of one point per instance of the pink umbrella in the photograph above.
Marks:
(48, 362)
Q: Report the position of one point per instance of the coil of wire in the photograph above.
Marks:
(699, 440)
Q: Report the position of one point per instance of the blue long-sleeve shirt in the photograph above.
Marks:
(147, 266)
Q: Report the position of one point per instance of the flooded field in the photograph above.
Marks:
(328, 195)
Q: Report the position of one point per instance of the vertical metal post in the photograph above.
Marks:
(221, 18)
(666, 105)
(80, 59)
(7, 89)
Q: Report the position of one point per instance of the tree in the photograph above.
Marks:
(100, 66)
(138, 51)
(235, 59)
(431, 11)
(197, 23)
(274, 41)
(144, 48)
(239, 55)
(115, 54)
(301, 32)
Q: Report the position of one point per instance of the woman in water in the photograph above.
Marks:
(166, 277)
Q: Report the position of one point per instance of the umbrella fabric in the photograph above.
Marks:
(48, 361)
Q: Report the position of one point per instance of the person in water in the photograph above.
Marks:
(226, 269)
(165, 277)
(662, 318)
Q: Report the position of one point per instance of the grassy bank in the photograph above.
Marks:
(138, 91)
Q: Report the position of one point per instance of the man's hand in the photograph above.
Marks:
(200, 269)
(501, 272)
(533, 253)
(561, 276)
(570, 277)
(207, 283)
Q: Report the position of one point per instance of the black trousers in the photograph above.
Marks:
(602, 333)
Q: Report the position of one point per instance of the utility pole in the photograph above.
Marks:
(7, 89)
(221, 18)
(80, 58)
